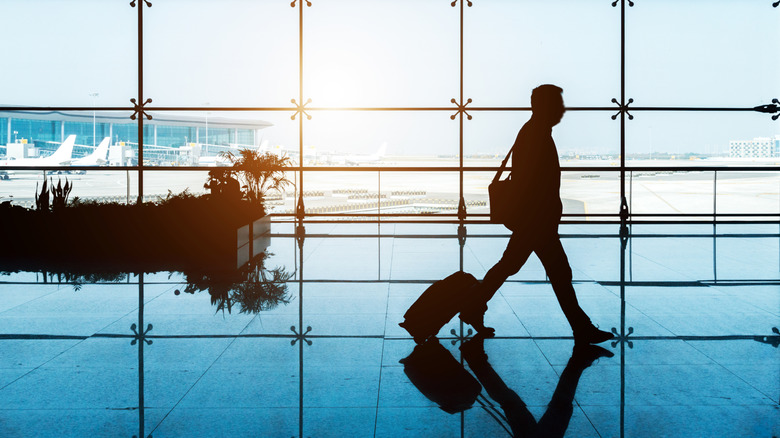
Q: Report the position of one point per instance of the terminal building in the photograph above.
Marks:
(169, 139)
(759, 147)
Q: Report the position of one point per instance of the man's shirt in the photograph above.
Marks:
(536, 173)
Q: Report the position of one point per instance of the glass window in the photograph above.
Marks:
(33, 130)
(73, 53)
(511, 47)
(393, 53)
(4, 133)
(684, 53)
(224, 53)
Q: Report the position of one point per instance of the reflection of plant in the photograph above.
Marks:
(79, 280)
(253, 287)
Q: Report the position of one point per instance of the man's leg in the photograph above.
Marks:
(515, 255)
(556, 264)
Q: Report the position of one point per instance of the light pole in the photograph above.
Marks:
(207, 126)
(94, 97)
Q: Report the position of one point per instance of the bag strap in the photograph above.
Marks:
(503, 165)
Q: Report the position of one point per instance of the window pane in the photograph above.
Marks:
(61, 53)
(724, 53)
(393, 53)
(101, 185)
(512, 47)
(670, 192)
(590, 137)
(382, 138)
(749, 192)
(689, 137)
(225, 53)
(157, 184)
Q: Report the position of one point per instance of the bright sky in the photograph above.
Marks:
(406, 53)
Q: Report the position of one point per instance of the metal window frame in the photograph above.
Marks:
(623, 215)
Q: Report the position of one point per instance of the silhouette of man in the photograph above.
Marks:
(536, 177)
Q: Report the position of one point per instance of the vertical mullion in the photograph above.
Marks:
(141, 342)
(140, 102)
(622, 105)
(462, 113)
(623, 230)
(300, 210)
(301, 215)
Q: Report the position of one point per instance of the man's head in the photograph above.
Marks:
(547, 104)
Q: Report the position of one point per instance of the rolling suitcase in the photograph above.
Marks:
(437, 305)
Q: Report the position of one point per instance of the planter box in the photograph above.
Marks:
(181, 234)
(252, 239)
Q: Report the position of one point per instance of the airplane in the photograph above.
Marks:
(216, 160)
(61, 157)
(96, 158)
(356, 160)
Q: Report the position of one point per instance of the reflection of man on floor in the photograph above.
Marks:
(536, 176)
(556, 419)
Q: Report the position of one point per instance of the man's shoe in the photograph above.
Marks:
(591, 335)
(473, 312)
(475, 317)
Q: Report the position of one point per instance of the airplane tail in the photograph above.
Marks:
(64, 153)
(97, 157)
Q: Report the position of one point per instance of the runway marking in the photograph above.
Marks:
(662, 199)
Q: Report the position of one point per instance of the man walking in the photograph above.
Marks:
(536, 176)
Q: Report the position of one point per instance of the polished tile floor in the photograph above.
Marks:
(696, 312)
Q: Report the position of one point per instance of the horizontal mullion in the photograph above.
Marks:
(65, 108)
(565, 215)
(150, 107)
(406, 168)
(701, 215)
(564, 222)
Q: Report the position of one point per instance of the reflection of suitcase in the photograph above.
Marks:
(440, 377)
(437, 305)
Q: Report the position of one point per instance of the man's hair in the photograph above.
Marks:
(543, 95)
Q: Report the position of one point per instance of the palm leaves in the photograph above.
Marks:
(259, 172)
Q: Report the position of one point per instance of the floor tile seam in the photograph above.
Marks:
(162, 420)
(384, 333)
(514, 312)
(723, 366)
(78, 342)
(58, 289)
(474, 254)
(646, 316)
(761, 241)
(301, 257)
(738, 298)
(136, 309)
(587, 417)
(379, 387)
(392, 259)
(686, 276)
(644, 405)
